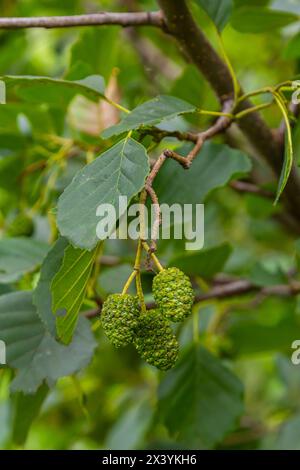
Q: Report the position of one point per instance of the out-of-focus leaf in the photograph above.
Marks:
(270, 326)
(32, 351)
(198, 393)
(252, 19)
(189, 86)
(42, 297)
(214, 167)
(150, 113)
(258, 3)
(113, 279)
(292, 49)
(120, 171)
(129, 431)
(97, 41)
(54, 91)
(68, 289)
(19, 256)
(218, 10)
(204, 263)
(25, 410)
(267, 273)
(288, 438)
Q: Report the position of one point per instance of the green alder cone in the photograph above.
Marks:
(21, 226)
(155, 341)
(173, 294)
(119, 318)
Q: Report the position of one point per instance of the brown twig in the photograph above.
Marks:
(154, 18)
(246, 187)
(219, 126)
(231, 289)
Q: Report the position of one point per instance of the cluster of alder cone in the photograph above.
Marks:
(125, 322)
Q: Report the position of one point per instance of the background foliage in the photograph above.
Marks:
(238, 388)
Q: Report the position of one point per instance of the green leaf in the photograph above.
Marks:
(150, 113)
(54, 91)
(259, 20)
(189, 86)
(42, 297)
(68, 289)
(268, 273)
(267, 327)
(200, 400)
(214, 167)
(203, 263)
(289, 150)
(219, 11)
(292, 50)
(32, 351)
(120, 171)
(288, 436)
(25, 410)
(113, 279)
(97, 41)
(129, 431)
(19, 256)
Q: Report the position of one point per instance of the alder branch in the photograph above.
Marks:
(231, 289)
(197, 48)
(154, 18)
(219, 126)
(246, 187)
(222, 123)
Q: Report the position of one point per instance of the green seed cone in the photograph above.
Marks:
(155, 341)
(21, 226)
(173, 294)
(119, 318)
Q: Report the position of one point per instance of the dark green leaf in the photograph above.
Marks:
(268, 327)
(42, 297)
(68, 289)
(19, 256)
(32, 351)
(150, 113)
(54, 91)
(25, 410)
(120, 171)
(259, 20)
(214, 167)
(96, 41)
(113, 279)
(129, 432)
(219, 11)
(204, 263)
(289, 149)
(200, 400)
(267, 274)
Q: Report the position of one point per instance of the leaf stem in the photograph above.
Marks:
(128, 282)
(117, 105)
(253, 109)
(196, 325)
(138, 280)
(153, 256)
(236, 86)
(214, 113)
